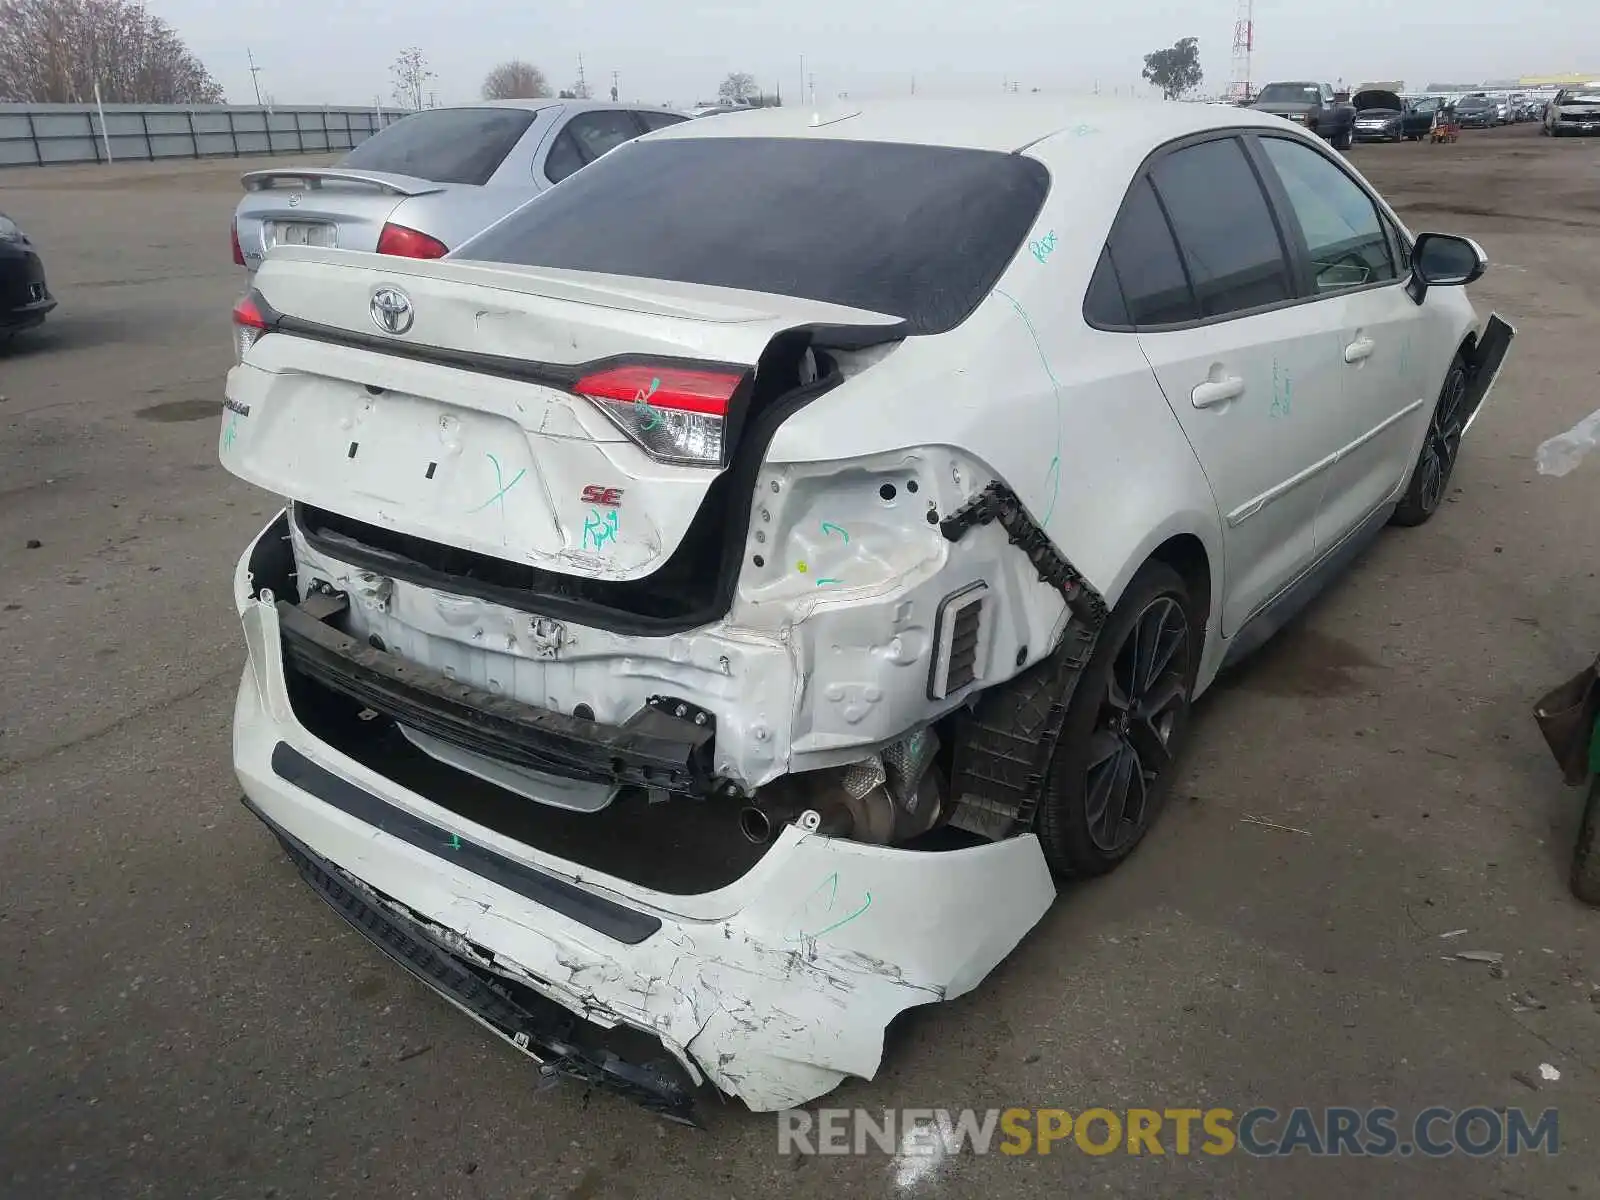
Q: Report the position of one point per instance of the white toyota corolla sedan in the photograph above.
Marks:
(716, 603)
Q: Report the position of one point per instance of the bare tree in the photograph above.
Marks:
(411, 74)
(737, 88)
(515, 80)
(55, 51)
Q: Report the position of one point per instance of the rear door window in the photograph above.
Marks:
(564, 157)
(444, 145)
(1146, 261)
(659, 120)
(918, 232)
(586, 137)
(1225, 229)
(599, 133)
(1103, 305)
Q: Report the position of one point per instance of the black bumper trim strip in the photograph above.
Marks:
(621, 924)
(537, 1026)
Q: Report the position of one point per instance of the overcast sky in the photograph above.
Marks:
(339, 51)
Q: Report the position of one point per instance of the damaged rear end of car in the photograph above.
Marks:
(673, 751)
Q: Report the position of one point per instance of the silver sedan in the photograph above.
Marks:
(425, 184)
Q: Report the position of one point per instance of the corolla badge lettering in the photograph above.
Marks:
(391, 310)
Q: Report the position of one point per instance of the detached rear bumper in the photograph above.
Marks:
(773, 988)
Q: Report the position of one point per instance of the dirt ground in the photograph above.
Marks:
(179, 1016)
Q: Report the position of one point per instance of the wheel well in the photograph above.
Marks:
(1186, 554)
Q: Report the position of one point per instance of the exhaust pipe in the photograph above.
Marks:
(761, 823)
(833, 803)
(755, 824)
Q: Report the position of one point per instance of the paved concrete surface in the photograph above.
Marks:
(179, 1016)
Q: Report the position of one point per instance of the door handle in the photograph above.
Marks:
(1359, 350)
(1218, 391)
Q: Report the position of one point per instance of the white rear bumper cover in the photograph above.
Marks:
(774, 988)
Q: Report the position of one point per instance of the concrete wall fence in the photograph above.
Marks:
(34, 135)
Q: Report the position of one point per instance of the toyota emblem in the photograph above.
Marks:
(391, 310)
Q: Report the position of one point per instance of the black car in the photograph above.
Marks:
(1382, 116)
(1477, 112)
(24, 296)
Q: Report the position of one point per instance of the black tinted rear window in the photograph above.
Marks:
(919, 232)
(444, 145)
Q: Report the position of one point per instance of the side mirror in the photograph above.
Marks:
(1444, 260)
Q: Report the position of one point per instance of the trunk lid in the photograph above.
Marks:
(464, 429)
(322, 207)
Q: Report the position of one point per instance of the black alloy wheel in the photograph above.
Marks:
(1441, 447)
(1123, 728)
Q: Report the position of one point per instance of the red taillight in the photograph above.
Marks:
(408, 243)
(238, 254)
(674, 414)
(248, 325)
(248, 312)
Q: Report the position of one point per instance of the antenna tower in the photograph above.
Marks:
(1244, 41)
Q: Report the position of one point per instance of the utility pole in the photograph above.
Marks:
(255, 73)
(802, 79)
(812, 80)
(583, 88)
(613, 87)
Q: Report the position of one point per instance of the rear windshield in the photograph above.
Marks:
(1290, 93)
(1585, 97)
(444, 145)
(919, 232)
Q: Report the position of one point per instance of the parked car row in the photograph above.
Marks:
(1382, 115)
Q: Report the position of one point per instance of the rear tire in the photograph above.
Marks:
(1441, 446)
(1585, 877)
(1123, 728)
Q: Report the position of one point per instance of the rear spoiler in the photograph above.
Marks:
(315, 177)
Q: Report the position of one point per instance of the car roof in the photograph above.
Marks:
(536, 103)
(1003, 123)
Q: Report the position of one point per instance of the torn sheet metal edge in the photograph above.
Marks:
(822, 944)
(1006, 740)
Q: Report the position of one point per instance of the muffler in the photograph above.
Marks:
(883, 800)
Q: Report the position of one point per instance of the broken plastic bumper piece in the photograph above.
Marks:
(772, 988)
